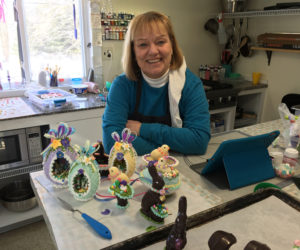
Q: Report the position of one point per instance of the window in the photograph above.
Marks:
(39, 34)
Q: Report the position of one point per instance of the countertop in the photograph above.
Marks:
(23, 113)
(93, 101)
(82, 102)
(69, 231)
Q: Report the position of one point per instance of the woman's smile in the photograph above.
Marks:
(153, 51)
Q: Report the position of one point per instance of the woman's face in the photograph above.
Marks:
(153, 51)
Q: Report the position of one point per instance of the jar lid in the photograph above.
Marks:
(291, 153)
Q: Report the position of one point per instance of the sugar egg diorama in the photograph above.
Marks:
(84, 177)
(59, 155)
(123, 155)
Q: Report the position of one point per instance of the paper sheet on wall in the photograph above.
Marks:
(97, 37)
(72, 232)
(14, 107)
(96, 21)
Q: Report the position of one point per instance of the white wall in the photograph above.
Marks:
(201, 47)
(188, 19)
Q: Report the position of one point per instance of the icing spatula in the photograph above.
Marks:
(102, 230)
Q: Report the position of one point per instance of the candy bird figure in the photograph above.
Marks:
(116, 174)
(160, 152)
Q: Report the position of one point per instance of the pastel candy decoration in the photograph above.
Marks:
(59, 155)
(123, 155)
(84, 177)
(166, 168)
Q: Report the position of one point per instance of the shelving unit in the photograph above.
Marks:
(266, 13)
(270, 50)
(263, 13)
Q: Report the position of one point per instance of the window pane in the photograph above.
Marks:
(51, 40)
(9, 51)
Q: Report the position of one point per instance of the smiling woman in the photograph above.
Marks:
(157, 97)
(33, 38)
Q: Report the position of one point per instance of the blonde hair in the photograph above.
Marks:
(146, 21)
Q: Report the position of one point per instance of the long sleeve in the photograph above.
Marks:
(116, 111)
(193, 137)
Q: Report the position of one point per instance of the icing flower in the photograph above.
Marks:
(60, 154)
(80, 171)
(126, 146)
(297, 244)
(120, 156)
(118, 145)
(56, 143)
(65, 142)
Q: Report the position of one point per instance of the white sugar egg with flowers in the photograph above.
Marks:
(84, 176)
(59, 155)
(123, 155)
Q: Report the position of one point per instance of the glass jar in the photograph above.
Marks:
(290, 156)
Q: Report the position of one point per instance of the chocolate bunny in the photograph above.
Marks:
(177, 237)
(152, 197)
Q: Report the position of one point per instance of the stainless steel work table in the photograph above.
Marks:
(69, 231)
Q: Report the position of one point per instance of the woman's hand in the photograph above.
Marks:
(134, 126)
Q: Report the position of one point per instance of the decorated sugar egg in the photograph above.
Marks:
(166, 168)
(123, 155)
(59, 155)
(84, 177)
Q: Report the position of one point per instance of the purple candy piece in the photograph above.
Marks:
(61, 130)
(105, 212)
(124, 135)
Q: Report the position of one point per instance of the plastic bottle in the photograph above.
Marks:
(221, 30)
(215, 76)
(207, 73)
(290, 156)
(200, 71)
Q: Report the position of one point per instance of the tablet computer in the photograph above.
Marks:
(245, 160)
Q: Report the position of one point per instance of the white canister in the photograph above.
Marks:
(290, 156)
(277, 158)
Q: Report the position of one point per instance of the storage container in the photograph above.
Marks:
(290, 156)
(50, 98)
(80, 89)
(231, 6)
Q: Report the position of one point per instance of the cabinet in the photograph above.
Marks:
(88, 126)
(250, 100)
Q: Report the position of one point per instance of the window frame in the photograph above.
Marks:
(83, 11)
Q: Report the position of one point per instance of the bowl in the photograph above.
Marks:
(79, 89)
(172, 161)
(18, 196)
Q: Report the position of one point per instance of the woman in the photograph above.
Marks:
(157, 97)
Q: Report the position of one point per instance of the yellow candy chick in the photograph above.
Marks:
(117, 174)
(160, 152)
(162, 164)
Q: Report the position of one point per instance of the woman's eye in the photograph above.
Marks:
(142, 44)
(161, 42)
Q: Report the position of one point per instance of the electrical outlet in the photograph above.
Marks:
(107, 53)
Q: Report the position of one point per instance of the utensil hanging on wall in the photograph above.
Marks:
(212, 26)
(74, 18)
(221, 31)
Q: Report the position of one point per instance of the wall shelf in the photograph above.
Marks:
(263, 13)
(270, 50)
